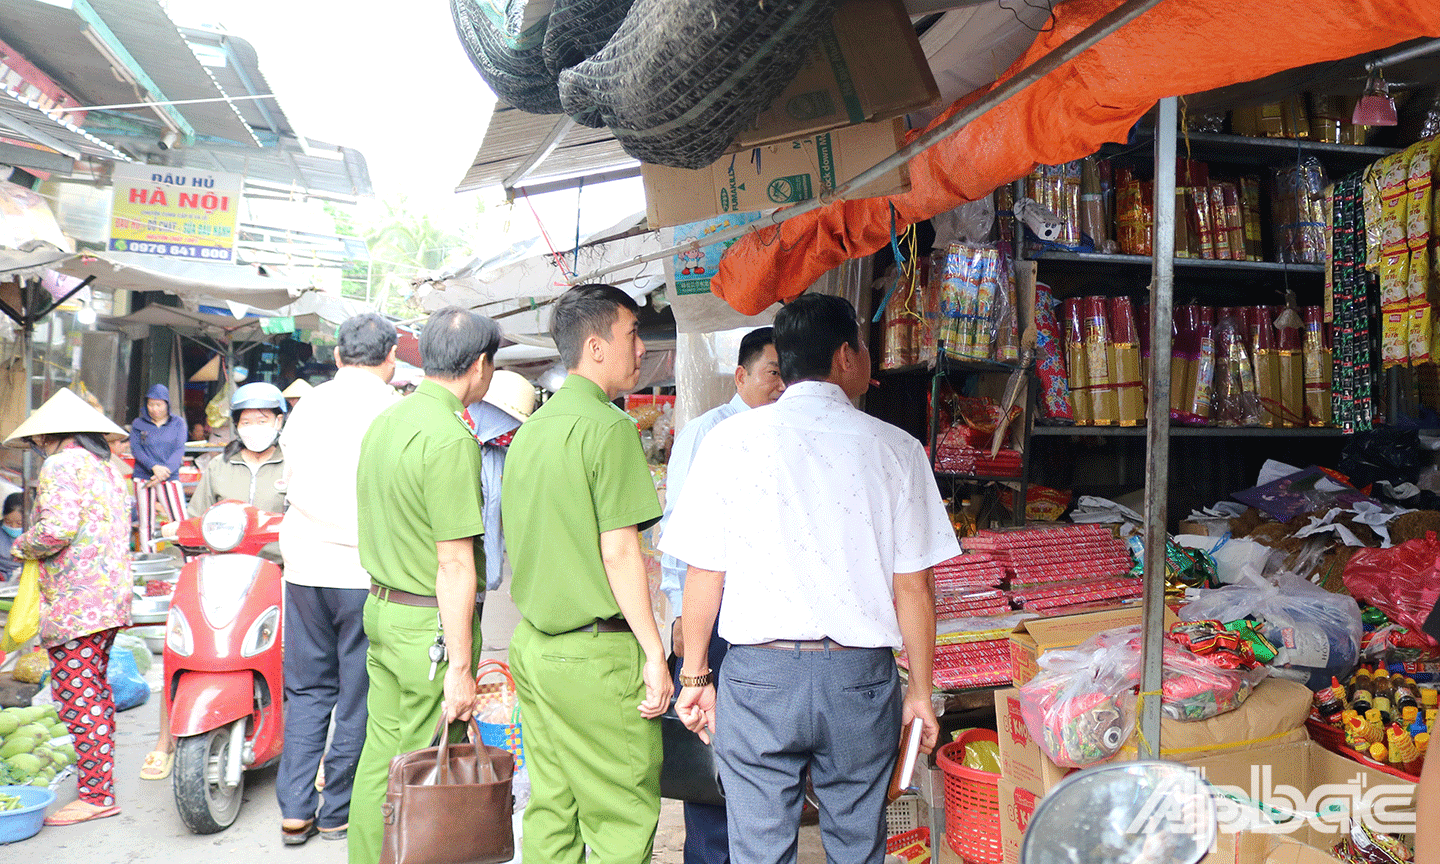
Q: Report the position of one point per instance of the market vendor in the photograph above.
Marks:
(157, 443)
(11, 524)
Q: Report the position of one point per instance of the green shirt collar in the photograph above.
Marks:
(435, 391)
(582, 386)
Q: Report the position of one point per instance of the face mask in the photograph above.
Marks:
(258, 438)
(12, 531)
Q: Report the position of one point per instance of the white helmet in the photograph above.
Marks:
(511, 393)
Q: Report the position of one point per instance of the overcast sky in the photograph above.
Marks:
(393, 81)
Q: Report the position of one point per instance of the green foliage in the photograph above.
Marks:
(405, 241)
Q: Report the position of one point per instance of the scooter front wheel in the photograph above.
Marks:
(205, 803)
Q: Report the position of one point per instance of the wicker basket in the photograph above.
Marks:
(499, 694)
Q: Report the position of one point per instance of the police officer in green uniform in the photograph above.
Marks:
(421, 529)
(587, 656)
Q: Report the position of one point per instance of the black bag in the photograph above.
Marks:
(689, 772)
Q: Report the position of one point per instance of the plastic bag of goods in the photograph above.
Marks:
(1078, 709)
(1316, 634)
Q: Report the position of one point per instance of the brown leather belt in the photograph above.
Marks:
(405, 598)
(600, 625)
(826, 644)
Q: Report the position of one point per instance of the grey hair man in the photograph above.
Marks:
(422, 524)
(325, 584)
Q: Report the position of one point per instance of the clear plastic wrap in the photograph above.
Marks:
(1095, 324)
(1079, 710)
(967, 301)
(1072, 320)
(1125, 362)
(1316, 633)
(1298, 211)
(1237, 402)
(1057, 189)
(1134, 213)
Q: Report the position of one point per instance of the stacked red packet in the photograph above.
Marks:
(968, 572)
(1035, 556)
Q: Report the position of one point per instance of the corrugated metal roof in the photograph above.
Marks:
(147, 32)
(241, 75)
(325, 170)
(63, 132)
(513, 135)
(53, 38)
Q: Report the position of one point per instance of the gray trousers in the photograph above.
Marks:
(837, 711)
(324, 676)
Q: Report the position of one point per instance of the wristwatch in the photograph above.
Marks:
(704, 680)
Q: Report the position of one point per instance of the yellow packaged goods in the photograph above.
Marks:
(1076, 363)
(1417, 224)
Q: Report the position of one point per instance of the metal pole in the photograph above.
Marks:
(1157, 431)
(1082, 42)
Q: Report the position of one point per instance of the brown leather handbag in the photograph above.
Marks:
(449, 804)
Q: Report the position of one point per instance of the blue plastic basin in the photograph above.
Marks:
(25, 822)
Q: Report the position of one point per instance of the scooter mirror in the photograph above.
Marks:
(1127, 813)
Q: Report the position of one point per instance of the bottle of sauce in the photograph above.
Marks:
(1329, 702)
(1360, 693)
(1383, 697)
(1405, 693)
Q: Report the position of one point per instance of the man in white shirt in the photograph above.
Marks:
(757, 383)
(325, 586)
(821, 525)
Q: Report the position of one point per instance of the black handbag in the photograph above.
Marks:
(689, 772)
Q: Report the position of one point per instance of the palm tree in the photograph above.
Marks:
(403, 244)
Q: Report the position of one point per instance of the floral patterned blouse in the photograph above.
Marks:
(81, 536)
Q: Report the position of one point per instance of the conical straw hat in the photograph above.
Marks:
(209, 372)
(297, 389)
(63, 414)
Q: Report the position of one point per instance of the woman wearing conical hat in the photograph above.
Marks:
(80, 534)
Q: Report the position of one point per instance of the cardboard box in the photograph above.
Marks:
(774, 175)
(1265, 784)
(867, 66)
(1033, 638)
(1017, 805)
(1022, 763)
(1257, 787)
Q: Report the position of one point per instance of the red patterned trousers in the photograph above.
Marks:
(82, 698)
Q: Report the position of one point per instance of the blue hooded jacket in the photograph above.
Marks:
(153, 445)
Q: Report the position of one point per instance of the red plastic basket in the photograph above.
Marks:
(972, 802)
(1333, 739)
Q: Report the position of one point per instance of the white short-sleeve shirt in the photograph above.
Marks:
(810, 506)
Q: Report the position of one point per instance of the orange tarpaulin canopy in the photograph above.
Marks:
(1179, 47)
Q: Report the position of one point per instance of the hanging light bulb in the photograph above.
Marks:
(85, 316)
(1375, 108)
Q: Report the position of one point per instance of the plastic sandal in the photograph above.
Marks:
(294, 832)
(157, 765)
(78, 811)
(336, 833)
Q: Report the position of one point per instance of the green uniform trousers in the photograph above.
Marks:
(594, 762)
(404, 705)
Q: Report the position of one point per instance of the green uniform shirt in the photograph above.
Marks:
(418, 482)
(574, 471)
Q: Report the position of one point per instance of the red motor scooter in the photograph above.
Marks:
(224, 681)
